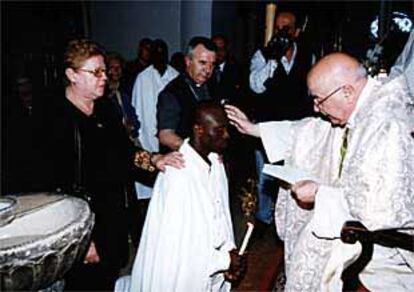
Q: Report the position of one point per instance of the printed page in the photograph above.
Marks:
(286, 174)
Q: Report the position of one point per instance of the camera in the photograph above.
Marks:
(279, 43)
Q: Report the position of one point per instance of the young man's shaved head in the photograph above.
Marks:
(210, 132)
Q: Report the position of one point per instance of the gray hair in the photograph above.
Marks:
(199, 40)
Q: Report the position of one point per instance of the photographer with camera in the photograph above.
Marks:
(278, 77)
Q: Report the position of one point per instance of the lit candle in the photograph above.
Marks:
(270, 21)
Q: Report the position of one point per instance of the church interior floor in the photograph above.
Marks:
(265, 263)
(265, 255)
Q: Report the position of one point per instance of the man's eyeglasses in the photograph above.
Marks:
(98, 72)
(319, 102)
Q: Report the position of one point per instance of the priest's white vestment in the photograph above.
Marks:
(376, 187)
(404, 65)
(148, 85)
(188, 231)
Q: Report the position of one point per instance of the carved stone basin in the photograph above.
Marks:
(7, 210)
(48, 234)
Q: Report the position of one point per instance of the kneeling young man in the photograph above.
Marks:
(187, 242)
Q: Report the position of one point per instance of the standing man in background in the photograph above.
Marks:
(147, 86)
(278, 77)
(136, 66)
(117, 93)
(179, 98)
(116, 90)
(226, 82)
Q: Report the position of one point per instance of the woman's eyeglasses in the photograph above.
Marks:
(98, 72)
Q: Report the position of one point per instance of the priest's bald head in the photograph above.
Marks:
(336, 82)
(209, 129)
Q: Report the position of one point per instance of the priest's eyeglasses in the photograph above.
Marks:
(98, 72)
(320, 101)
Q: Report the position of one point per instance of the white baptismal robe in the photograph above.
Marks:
(188, 231)
(148, 85)
(376, 187)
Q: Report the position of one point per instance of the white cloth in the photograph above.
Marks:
(123, 284)
(188, 231)
(405, 64)
(260, 70)
(147, 86)
(376, 187)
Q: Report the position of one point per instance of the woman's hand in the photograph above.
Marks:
(174, 159)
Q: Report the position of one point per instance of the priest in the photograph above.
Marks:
(361, 155)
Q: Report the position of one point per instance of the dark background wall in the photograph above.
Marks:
(120, 25)
(34, 33)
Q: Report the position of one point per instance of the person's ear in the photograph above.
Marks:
(349, 91)
(71, 75)
(297, 32)
(187, 61)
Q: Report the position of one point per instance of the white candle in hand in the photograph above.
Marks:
(249, 231)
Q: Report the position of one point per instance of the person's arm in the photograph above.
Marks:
(168, 118)
(241, 121)
(260, 71)
(151, 161)
(169, 138)
(132, 121)
(384, 173)
(380, 177)
(276, 136)
(135, 97)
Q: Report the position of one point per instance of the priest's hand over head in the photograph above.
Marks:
(241, 122)
(304, 192)
(174, 159)
(238, 266)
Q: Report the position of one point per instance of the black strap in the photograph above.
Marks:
(79, 189)
(78, 153)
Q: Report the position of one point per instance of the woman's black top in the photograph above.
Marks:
(106, 153)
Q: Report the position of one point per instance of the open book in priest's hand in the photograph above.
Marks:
(286, 175)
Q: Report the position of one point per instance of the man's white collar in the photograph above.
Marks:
(366, 91)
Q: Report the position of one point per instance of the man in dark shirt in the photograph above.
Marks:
(226, 81)
(136, 66)
(180, 97)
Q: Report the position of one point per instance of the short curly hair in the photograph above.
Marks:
(77, 52)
